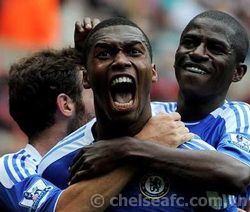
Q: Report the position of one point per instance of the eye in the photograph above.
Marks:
(104, 54)
(134, 52)
(189, 43)
(216, 48)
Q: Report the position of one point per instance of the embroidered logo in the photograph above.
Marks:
(154, 186)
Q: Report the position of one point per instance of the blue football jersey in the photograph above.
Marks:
(151, 191)
(21, 188)
(226, 128)
(60, 157)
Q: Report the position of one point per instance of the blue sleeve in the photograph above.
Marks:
(196, 144)
(31, 194)
(235, 140)
(236, 145)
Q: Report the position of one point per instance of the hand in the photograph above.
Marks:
(82, 30)
(99, 158)
(166, 129)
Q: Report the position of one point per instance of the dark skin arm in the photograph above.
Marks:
(112, 152)
(78, 197)
(210, 169)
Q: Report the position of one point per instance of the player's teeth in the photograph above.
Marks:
(196, 70)
(121, 80)
(124, 105)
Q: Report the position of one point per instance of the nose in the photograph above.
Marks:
(199, 53)
(121, 60)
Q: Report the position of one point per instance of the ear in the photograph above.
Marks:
(239, 72)
(85, 78)
(154, 73)
(65, 105)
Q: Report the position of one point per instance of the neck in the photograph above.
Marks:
(48, 138)
(108, 129)
(196, 108)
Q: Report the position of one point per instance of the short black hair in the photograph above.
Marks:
(106, 23)
(239, 39)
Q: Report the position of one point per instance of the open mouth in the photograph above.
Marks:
(122, 89)
(196, 70)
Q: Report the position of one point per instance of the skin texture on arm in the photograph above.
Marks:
(78, 196)
(208, 168)
(81, 196)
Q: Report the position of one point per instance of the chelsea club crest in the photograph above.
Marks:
(154, 186)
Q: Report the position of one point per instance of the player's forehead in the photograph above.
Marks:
(118, 34)
(210, 27)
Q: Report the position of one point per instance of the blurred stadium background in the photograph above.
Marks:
(30, 25)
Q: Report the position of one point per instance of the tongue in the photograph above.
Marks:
(123, 97)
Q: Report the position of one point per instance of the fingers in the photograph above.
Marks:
(81, 167)
(183, 132)
(173, 116)
(78, 161)
(78, 26)
(95, 22)
(187, 137)
(87, 23)
(80, 175)
(83, 27)
(79, 154)
(179, 124)
(75, 167)
(82, 30)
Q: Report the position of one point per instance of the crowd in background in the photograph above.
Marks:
(27, 26)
